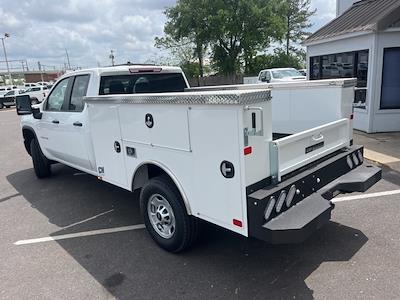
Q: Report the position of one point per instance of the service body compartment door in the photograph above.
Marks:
(107, 143)
(218, 189)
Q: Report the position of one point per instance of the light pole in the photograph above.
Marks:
(6, 35)
(112, 57)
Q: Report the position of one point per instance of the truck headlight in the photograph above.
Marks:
(269, 208)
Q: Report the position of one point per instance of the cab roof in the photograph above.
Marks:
(127, 69)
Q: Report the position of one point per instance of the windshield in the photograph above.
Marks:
(286, 73)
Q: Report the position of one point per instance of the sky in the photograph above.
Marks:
(42, 30)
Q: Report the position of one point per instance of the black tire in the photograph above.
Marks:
(186, 227)
(40, 163)
(7, 106)
(1, 105)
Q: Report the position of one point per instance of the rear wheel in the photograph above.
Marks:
(1, 105)
(165, 215)
(40, 163)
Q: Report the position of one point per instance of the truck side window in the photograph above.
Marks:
(142, 83)
(56, 98)
(79, 90)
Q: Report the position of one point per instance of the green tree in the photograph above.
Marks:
(296, 14)
(279, 59)
(241, 28)
(187, 24)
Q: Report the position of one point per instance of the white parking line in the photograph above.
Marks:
(88, 219)
(366, 196)
(141, 226)
(79, 234)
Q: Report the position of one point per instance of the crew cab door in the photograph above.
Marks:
(63, 129)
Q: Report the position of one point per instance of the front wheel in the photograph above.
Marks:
(165, 215)
(40, 163)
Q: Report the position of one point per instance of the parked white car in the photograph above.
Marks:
(37, 93)
(28, 84)
(5, 89)
(9, 98)
(201, 154)
(280, 75)
(42, 83)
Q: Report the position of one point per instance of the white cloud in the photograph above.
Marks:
(326, 11)
(41, 30)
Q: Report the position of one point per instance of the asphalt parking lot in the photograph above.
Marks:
(356, 256)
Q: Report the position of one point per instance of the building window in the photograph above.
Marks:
(390, 97)
(343, 65)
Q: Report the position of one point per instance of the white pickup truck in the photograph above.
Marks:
(37, 93)
(210, 154)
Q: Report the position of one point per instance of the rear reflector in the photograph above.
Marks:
(145, 70)
(237, 223)
(248, 150)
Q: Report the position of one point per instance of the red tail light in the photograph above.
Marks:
(248, 150)
(237, 223)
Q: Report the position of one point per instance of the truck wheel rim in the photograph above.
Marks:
(161, 216)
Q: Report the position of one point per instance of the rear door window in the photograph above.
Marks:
(142, 83)
(79, 90)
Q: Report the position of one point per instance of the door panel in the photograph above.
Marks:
(63, 133)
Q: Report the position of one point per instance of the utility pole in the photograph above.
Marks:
(6, 35)
(40, 69)
(69, 64)
(112, 57)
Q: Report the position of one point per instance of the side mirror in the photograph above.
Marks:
(24, 106)
(263, 78)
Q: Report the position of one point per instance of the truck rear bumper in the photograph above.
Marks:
(295, 220)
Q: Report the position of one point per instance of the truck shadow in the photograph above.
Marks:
(129, 265)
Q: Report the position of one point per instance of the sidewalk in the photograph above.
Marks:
(383, 148)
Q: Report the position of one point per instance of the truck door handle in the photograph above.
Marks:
(79, 124)
(56, 122)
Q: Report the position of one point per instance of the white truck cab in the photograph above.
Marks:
(208, 153)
